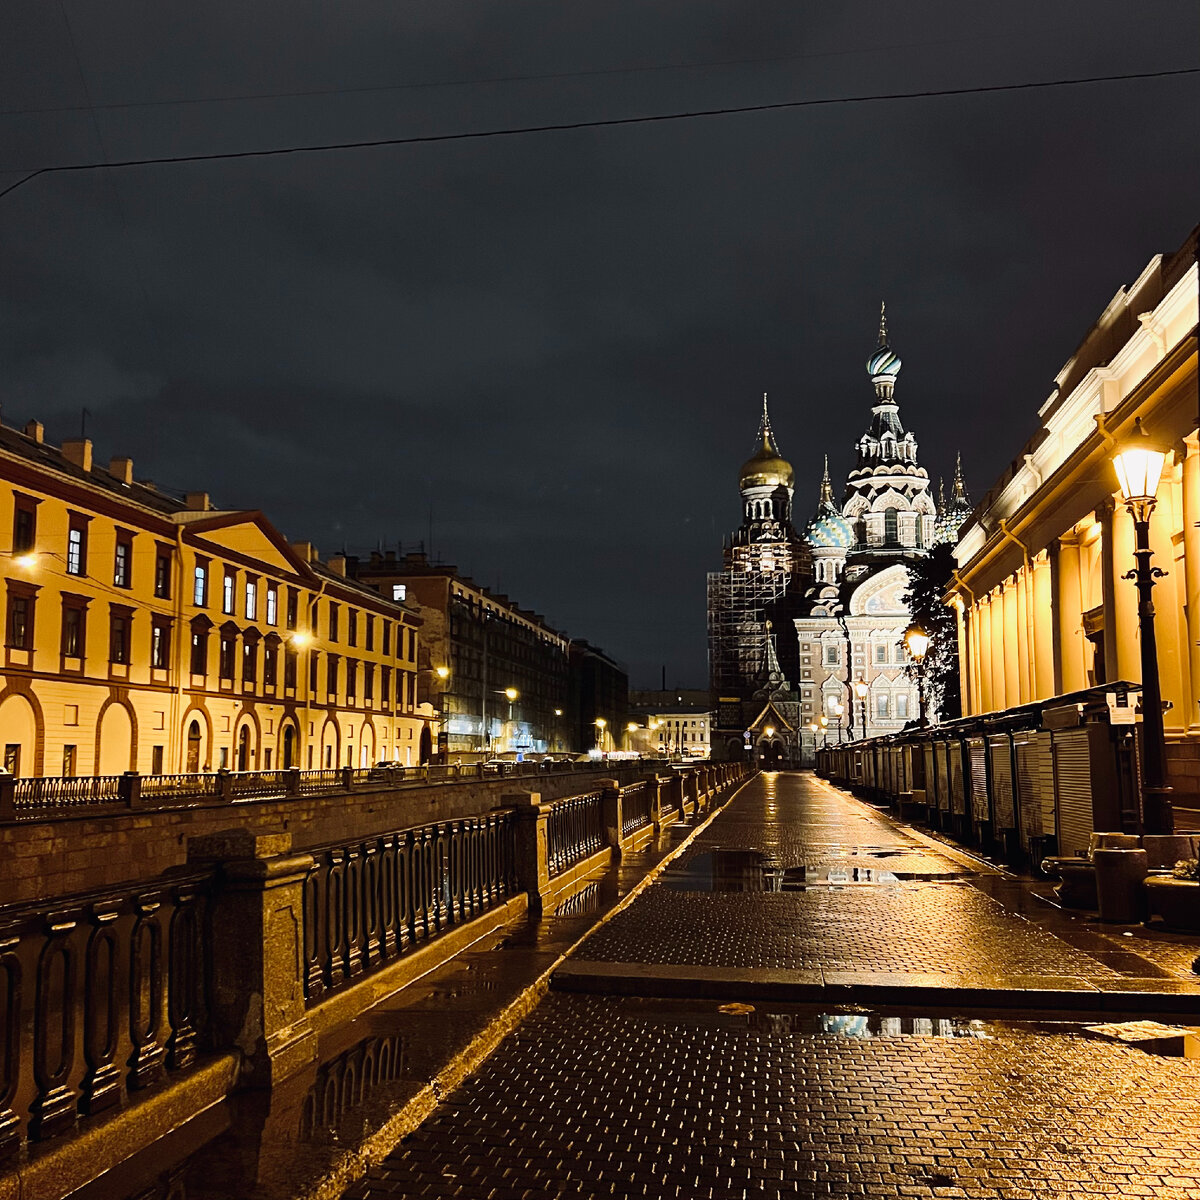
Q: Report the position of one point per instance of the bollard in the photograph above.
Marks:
(257, 943)
(1120, 885)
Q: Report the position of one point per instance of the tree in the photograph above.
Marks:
(928, 579)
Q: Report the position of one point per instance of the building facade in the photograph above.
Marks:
(156, 635)
(477, 647)
(1043, 602)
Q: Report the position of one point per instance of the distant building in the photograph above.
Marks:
(153, 634)
(670, 726)
(477, 646)
(795, 621)
(599, 704)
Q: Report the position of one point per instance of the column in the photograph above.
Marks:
(1022, 582)
(1044, 685)
(1109, 590)
(1069, 616)
(1170, 597)
(1124, 608)
(1191, 571)
(1010, 640)
(965, 660)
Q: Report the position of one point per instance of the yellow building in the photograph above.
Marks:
(1044, 606)
(151, 634)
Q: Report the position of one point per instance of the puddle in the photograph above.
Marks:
(752, 871)
(583, 903)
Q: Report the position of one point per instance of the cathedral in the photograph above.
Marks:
(799, 624)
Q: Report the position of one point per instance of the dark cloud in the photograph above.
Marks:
(557, 343)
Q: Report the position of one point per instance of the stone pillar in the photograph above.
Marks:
(1191, 567)
(1109, 591)
(996, 597)
(1043, 639)
(611, 815)
(1072, 676)
(654, 790)
(1170, 597)
(1122, 616)
(532, 845)
(257, 937)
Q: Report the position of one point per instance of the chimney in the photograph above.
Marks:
(79, 452)
(337, 564)
(305, 550)
(197, 502)
(35, 430)
(121, 468)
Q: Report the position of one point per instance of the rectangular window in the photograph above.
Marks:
(225, 657)
(385, 684)
(118, 637)
(270, 664)
(351, 681)
(199, 658)
(77, 548)
(881, 707)
(156, 760)
(12, 758)
(313, 672)
(200, 586)
(272, 604)
(72, 631)
(162, 573)
(387, 638)
(333, 622)
(352, 626)
(368, 682)
(227, 590)
(251, 599)
(250, 662)
(293, 605)
(331, 675)
(123, 562)
(881, 653)
(832, 656)
(24, 526)
(160, 645)
(289, 667)
(370, 632)
(20, 622)
(902, 705)
(69, 760)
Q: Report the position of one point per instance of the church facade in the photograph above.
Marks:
(797, 620)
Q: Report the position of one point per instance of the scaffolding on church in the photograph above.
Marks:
(740, 605)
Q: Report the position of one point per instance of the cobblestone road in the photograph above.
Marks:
(608, 1096)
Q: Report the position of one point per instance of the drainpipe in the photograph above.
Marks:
(964, 674)
(1029, 636)
(177, 739)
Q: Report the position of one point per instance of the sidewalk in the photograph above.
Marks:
(799, 892)
(820, 1002)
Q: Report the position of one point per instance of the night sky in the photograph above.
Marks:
(551, 348)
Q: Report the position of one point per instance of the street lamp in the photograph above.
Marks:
(917, 641)
(824, 733)
(860, 690)
(1139, 464)
(601, 723)
(838, 709)
(511, 694)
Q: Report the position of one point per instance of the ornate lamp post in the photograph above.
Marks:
(860, 690)
(824, 733)
(1139, 463)
(838, 709)
(917, 641)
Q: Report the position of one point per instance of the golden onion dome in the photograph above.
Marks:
(767, 468)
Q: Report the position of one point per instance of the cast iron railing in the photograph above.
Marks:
(575, 830)
(368, 902)
(99, 996)
(635, 808)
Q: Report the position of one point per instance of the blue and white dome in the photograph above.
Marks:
(884, 363)
(830, 529)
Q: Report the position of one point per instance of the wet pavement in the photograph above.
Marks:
(725, 1093)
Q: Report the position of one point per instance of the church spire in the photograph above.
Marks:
(883, 333)
(959, 493)
(826, 486)
(765, 433)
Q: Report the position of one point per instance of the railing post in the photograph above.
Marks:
(131, 789)
(532, 845)
(654, 791)
(611, 815)
(258, 959)
(348, 778)
(224, 784)
(292, 781)
(8, 797)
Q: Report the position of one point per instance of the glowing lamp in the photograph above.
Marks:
(299, 639)
(442, 672)
(769, 731)
(511, 693)
(917, 642)
(26, 560)
(861, 689)
(1139, 464)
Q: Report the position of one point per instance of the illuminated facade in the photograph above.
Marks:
(156, 635)
(1043, 603)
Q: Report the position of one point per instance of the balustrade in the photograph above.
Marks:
(575, 830)
(635, 808)
(108, 990)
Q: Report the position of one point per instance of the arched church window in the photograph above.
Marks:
(891, 532)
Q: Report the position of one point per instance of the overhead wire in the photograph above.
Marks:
(598, 123)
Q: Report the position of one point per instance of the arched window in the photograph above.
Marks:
(891, 534)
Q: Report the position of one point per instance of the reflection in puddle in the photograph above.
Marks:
(753, 871)
(582, 903)
(347, 1081)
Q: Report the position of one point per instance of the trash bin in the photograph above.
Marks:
(1120, 886)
